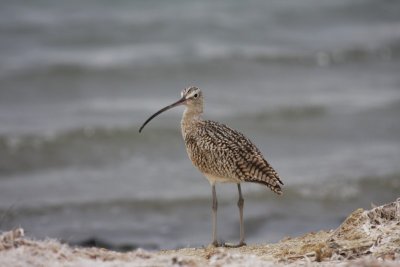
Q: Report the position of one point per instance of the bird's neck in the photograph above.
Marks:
(189, 119)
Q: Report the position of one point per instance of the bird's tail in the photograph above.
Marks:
(266, 175)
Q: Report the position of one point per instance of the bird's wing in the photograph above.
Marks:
(228, 153)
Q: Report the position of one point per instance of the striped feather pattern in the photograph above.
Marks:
(220, 151)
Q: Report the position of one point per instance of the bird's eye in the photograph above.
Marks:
(195, 95)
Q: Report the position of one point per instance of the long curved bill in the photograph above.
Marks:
(177, 103)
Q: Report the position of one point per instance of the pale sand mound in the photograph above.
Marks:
(366, 238)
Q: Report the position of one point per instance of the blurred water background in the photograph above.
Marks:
(314, 83)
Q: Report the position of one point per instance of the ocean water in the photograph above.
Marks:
(314, 84)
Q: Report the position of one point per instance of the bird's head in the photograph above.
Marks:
(191, 97)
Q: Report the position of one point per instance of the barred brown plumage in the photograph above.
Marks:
(216, 149)
(221, 153)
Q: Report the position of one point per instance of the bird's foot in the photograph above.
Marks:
(230, 245)
(215, 244)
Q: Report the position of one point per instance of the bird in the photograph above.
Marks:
(221, 154)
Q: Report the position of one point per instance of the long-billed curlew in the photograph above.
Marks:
(221, 153)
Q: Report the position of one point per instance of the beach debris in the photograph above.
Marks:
(8, 239)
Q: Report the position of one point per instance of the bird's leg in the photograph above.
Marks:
(214, 210)
(240, 205)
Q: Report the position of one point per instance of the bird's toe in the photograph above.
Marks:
(231, 245)
(215, 244)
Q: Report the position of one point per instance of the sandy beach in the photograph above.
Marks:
(365, 238)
